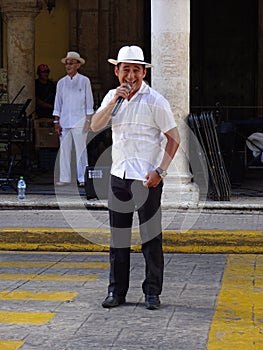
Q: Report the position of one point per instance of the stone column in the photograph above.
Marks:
(20, 20)
(171, 77)
(260, 59)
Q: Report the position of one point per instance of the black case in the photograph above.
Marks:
(97, 182)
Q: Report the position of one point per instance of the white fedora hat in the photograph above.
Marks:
(255, 142)
(130, 54)
(72, 55)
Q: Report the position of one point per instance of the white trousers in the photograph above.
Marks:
(80, 143)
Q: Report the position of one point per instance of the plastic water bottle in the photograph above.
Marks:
(21, 189)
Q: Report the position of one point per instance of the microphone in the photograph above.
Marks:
(119, 102)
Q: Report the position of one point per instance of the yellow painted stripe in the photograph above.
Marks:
(10, 344)
(47, 277)
(172, 247)
(63, 247)
(53, 264)
(17, 252)
(26, 317)
(81, 240)
(95, 231)
(238, 320)
(27, 295)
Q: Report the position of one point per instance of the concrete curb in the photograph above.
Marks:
(46, 202)
(174, 241)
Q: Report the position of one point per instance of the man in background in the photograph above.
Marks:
(72, 112)
(45, 91)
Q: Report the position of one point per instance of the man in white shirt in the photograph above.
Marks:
(72, 111)
(145, 140)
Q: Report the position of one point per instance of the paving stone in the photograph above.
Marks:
(191, 285)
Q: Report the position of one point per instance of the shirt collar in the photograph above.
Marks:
(144, 89)
(74, 77)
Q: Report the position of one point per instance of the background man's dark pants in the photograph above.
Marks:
(126, 196)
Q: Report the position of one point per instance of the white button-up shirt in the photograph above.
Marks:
(73, 101)
(138, 132)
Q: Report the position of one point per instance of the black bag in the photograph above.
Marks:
(97, 182)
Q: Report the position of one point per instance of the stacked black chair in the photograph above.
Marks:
(204, 128)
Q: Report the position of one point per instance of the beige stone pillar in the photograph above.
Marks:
(171, 77)
(20, 16)
(260, 59)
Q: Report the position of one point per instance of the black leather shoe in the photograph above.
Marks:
(113, 300)
(152, 302)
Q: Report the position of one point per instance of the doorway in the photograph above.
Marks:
(224, 79)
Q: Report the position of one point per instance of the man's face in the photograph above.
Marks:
(72, 66)
(44, 75)
(131, 74)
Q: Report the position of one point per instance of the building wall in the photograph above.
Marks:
(98, 28)
(52, 38)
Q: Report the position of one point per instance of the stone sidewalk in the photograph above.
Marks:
(206, 303)
(52, 301)
(74, 200)
(191, 285)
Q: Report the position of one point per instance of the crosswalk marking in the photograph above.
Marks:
(10, 344)
(23, 265)
(238, 318)
(27, 295)
(54, 264)
(47, 277)
(26, 317)
(18, 252)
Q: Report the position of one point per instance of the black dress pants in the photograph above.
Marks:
(125, 197)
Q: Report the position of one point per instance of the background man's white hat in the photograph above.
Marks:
(72, 55)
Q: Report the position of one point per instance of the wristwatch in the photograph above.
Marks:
(162, 173)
